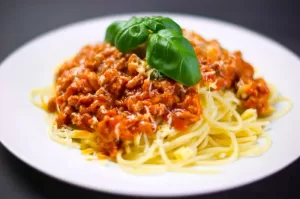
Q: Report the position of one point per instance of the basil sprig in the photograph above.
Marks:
(167, 49)
(158, 23)
(112, 29)
(131, 35)
(172, 55)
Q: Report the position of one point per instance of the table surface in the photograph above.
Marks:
(23, 20)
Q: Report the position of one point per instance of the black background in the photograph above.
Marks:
(22, 20)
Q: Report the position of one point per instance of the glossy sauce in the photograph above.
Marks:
(110, 93)
(230, 71)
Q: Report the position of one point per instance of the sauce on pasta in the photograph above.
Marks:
(112, 94)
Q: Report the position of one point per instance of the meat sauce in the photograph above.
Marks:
(229, 71)
(111, 93)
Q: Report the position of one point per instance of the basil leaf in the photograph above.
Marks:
(172, 55)
(132, 34)
(169, 24)
(154, 24)
(158, 23)
(112, 31)
(127, 35)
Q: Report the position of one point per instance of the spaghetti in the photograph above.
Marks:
(111, 105)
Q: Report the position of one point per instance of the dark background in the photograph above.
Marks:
(22, 20)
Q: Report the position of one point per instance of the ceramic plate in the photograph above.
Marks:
(24, 130)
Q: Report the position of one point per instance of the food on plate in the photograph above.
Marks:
(155, 97)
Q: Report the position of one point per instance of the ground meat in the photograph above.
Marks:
(230, 71)
(108, 92)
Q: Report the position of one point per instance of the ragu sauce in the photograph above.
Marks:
(111, 93)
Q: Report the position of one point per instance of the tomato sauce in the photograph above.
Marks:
(110, 93)
(229, 71)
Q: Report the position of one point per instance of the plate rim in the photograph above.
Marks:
(122, 192)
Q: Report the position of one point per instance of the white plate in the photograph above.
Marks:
(24, 131)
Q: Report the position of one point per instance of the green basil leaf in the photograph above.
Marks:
(132, 34)
(154, 24)
(172, 55)
(169, 24)
(158, 23)
(112, 30)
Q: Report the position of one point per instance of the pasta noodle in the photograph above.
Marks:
(114, 106)
(222, 136)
